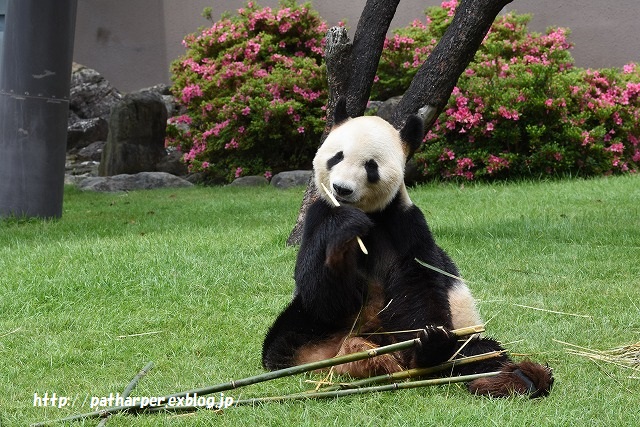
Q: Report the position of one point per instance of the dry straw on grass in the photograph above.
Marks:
(627, 356)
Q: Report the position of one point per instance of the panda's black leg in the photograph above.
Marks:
(292, 330)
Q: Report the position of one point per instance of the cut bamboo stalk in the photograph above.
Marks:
(341, 393)
(294, 370)
(129, 388)
(134, 382)
(414, 373)
(363, 248)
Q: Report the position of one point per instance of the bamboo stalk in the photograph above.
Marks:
(341, 393)
(294, 370)
(468, 330)
(337, 204)
(416, 372)
(132, 384)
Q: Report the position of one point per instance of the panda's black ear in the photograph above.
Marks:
(412, 134)
(340, 112)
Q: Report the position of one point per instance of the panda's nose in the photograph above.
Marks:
(342, 191)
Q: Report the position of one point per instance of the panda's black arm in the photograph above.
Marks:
(409, 238)
(327, 276)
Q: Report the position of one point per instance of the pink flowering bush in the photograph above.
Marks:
(254, 90)
(521, 109)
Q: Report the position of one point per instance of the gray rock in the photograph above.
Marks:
(289, 179)
(250, 181)
(85, 168)
(172, 163)
(387, 108)
(91, 95)
(137, 128)
(164, 91)
(372, 108)
(92, 152)
(83, 132)
(129, 182)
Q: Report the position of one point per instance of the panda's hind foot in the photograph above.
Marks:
(525, 378)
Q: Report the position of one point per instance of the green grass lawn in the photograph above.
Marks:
(191, 280)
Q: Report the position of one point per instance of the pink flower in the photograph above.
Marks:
(508, 114)
(260, 73)
(283, 28)
(301, 129)
(451, 5)
(189, 92)
(495, 163)
(629, 68)
(616, 148)
(205, 165)
(617, 119)
(238, 172)
(268, 174)
(447, 155)
(246, 111)
(231, 144)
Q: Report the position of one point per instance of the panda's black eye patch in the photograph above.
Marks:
(373, 174)
(339, 156)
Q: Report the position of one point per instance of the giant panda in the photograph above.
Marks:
(343, 297)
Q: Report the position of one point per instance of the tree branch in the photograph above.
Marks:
(435, 80)
(368, 42)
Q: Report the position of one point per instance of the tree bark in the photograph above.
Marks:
(435, 80)
(351, 68)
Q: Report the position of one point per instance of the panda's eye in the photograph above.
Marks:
(373, 174)
(337, 158)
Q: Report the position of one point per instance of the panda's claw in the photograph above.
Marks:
(437, 344)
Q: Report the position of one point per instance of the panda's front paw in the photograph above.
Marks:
(437, 344)
(349, 223)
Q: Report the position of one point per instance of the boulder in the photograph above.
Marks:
(84, 132)
(129, 182)
(386, 109)
(164, 92)
(92, 152)
(289, 179)
(137, 128)
(91, 95)
(172, 163)
(250, 181)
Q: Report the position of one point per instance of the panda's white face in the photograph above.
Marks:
(362, 163)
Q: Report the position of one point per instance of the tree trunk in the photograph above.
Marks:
(351, 68)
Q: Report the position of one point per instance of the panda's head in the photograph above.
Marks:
(362, 160)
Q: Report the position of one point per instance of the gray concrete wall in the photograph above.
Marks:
(133, 42)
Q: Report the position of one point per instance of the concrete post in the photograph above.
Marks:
(34, 103)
